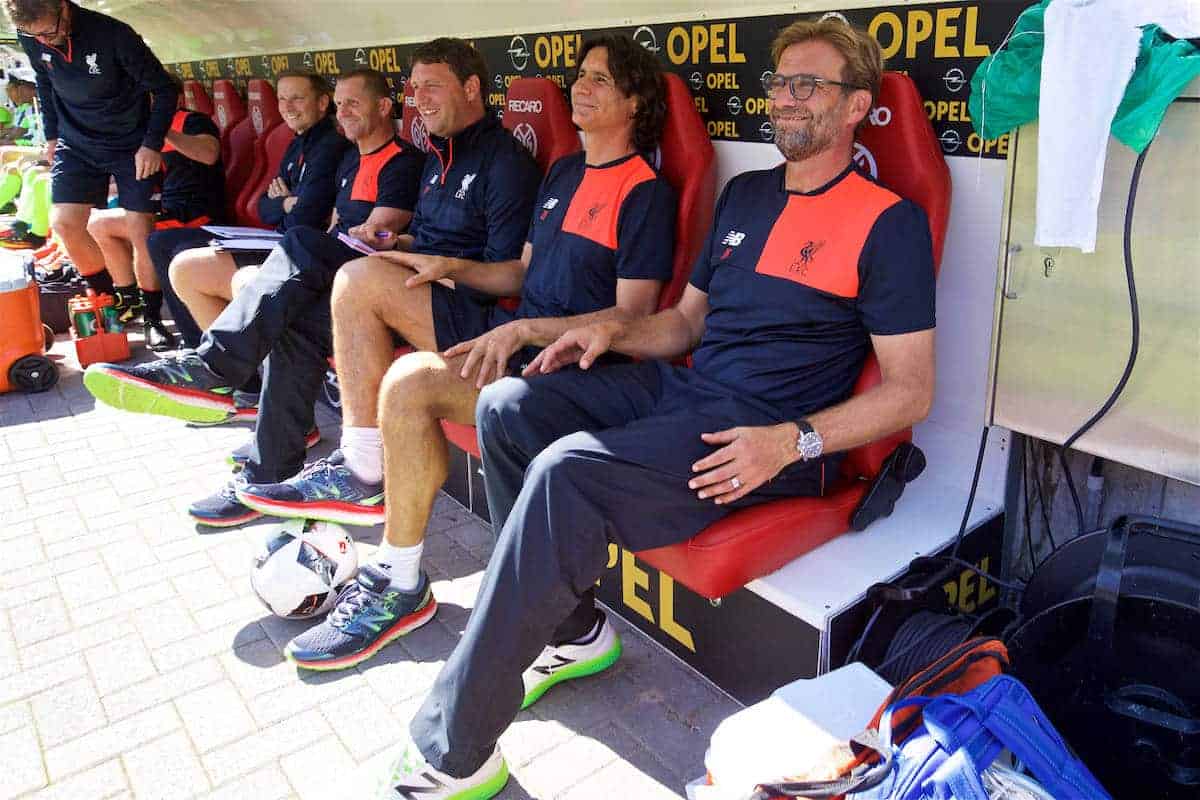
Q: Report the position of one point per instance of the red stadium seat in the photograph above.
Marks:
(538, 116)
(228, 111)
(411, 127)
(263, 114)
(276, 145)
(904, 155)
(686, 159)
(195, 98)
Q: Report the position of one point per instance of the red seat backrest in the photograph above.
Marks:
(902, 152)
(412, 127)
(686, 158)
(263, 113)
(195, 98)
(228, 111)
(538, 116)
(276, 145)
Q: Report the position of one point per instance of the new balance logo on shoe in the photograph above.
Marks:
(414, 792)
(561, 661)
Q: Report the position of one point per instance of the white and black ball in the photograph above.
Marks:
(301, 566)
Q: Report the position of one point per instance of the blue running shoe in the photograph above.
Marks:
(223, 509)
(326, 490)
(180, 386)
(239, 457)
(369, 614)
(245, 409)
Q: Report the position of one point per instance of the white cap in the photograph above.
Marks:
(23, 73)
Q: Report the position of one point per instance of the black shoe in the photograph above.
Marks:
(129, 307)
(158, 336)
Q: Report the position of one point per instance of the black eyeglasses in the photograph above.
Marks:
(46, 34)
(802, 87)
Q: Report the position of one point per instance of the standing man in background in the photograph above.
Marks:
(106, 104)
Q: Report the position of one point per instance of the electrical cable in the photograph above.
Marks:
(1134, 341)
(962, 526)
(905, 655)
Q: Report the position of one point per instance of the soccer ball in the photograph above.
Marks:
(301, 566)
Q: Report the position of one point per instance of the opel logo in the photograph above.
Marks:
(950, 139)
(954, 79)
(360, 56)
(308, 61)
(766, 131)
(697, 81)
(518, 53)
(229, 67)
(646, 38)
(734, 104)
(266, 65)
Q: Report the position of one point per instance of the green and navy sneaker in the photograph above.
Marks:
(326, 490)
(241, 456)
(594, 653)
(182, 387)
(412, 776)
(369, 614)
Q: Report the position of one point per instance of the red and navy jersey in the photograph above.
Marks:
(95, 92)
(388, 177)
(593, 225)
(798, 281)
(477, 194)
(309, 168)
(191, 189)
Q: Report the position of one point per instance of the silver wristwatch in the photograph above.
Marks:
(809, 443)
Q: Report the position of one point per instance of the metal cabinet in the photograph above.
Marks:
(1062, 325)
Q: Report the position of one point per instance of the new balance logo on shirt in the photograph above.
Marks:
(734, 238)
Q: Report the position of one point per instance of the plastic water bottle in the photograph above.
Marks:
(13, 275)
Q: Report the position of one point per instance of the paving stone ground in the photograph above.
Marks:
(136, 662)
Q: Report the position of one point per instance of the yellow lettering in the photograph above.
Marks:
(735, 55)
(666, 606)
(571, 49)
(722, 80)
(966, 590)
(892, 21)
(699, 41)
(920, 26)
(970, 48)
(930, 110)
(541, 51)
(242, 68)
(326, 63)
(723, 127)
(717, 51)
(945, 29)
(757, 105)
(677, 45)
(701, 104)
(280, 63)
(614, 553)
(986, 590)
(951, 590)
(185, 72)
(634, 577)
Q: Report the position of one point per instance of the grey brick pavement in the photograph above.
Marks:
(135, 661)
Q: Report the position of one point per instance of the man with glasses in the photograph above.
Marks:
(107, 104)
(808, 266)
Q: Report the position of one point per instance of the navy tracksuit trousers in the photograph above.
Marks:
(573, 461)
(283, 316)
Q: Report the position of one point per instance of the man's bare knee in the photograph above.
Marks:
(414, 382)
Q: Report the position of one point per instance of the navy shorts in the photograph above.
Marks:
(457, 318)
(79, 177)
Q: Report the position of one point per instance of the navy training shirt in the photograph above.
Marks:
(593, 225)
(95, 92)
(797, 282)
(477, 195)
(309, 168)
(387, 177)
(191, 189)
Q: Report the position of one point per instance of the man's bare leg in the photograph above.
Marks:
(419, 391)
(203, 278)
(69, 223)
(139, 226)
(108, 229)
(370, 301)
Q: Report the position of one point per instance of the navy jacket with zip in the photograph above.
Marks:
(95, 91)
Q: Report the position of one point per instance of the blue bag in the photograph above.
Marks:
(959, 737)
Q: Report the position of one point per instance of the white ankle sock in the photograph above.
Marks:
(363, 450)
(402, 564)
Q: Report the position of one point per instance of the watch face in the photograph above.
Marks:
(810, 445)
